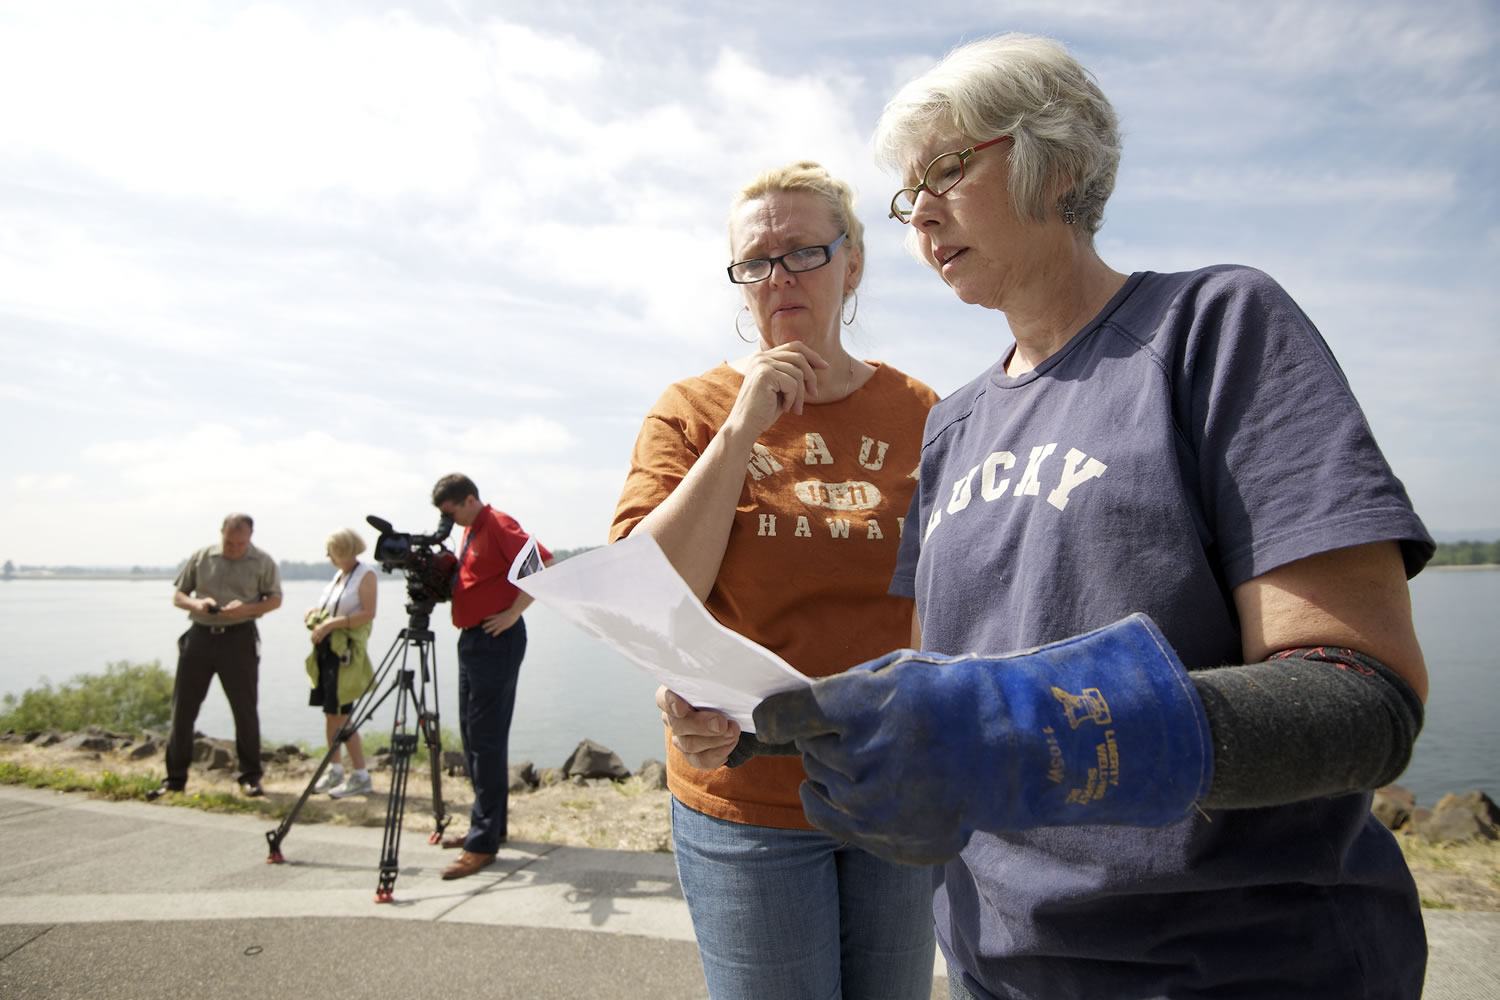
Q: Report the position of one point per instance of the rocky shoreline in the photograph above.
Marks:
(589, 800)
(593, 800)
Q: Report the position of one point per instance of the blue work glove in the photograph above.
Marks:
(908, 755)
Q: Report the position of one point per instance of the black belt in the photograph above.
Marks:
(218, 629)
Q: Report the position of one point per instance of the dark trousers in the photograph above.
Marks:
(488, 667)
(232, 652)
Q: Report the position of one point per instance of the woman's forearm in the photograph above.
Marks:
(692, 524)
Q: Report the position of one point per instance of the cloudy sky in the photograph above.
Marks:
(303, 258)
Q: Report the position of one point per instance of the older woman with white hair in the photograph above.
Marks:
(339, 665)
(1164, 495)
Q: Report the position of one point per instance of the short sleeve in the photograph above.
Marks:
(270, 578)
(904, 579)
(1287, 464)
(668, 444)
(187, 577)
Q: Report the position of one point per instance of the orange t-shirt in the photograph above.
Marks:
(810, 554)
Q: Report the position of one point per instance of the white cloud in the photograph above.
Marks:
(527, 434)
(45, 485)
(306, 258)
(1254, 185)
(257, 108)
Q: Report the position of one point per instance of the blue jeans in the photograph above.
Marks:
(798, 915)
(488, 667)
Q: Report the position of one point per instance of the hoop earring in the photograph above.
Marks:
(744, 311)
(849, 320)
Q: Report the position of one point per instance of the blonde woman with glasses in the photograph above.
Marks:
(777, 485)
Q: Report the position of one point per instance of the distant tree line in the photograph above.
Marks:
(1466, 554)
(25, 569)
(289, 569)
(1448, 554)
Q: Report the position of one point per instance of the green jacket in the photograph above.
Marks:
(355, 671)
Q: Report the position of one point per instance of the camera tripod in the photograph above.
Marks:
(411, 700)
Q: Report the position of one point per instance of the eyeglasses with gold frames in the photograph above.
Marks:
(941, 176)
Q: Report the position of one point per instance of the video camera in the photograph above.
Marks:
(429, 566)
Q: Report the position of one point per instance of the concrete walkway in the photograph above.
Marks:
(125, 900)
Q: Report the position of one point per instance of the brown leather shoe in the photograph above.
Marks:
(454, 840)
(467, 864)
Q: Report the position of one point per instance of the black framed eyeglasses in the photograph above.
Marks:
(941, 176)
(748, 272)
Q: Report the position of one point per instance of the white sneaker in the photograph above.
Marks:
(331, 777)
(357, 783)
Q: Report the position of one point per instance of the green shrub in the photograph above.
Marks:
(127, 697)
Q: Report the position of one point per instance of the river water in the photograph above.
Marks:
(573, 688)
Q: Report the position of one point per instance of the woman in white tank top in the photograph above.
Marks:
(348, 602)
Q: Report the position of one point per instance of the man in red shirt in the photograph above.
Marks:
(487, 609)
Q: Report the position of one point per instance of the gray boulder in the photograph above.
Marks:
(591, 760)
(523, 776)
(1458, 818)
(653, 774)
(213, 754)
(1392, 805)
(86, 740)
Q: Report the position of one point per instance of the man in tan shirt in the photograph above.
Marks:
(223, 588)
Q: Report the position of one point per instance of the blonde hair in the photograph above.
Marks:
(806, 175)
(344, 543)
(1064, 131)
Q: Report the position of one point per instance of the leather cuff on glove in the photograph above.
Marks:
(751, 746)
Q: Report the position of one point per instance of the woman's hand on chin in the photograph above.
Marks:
(778, 380)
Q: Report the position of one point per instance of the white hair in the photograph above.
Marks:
(1065, 145)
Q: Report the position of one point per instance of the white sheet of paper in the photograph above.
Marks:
(628, 596)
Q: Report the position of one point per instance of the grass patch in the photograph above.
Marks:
(123, 787)
(119, 787)
(632, 787)
(62, 779)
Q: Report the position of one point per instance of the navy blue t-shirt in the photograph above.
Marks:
(1198, 433)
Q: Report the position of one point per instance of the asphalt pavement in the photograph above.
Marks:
(124, 900)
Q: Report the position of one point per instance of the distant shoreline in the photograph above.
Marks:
(100, 575)
(168, 575)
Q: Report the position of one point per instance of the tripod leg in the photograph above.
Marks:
(276, 836)
(363, 710)
(403, 745)
(434, 735)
